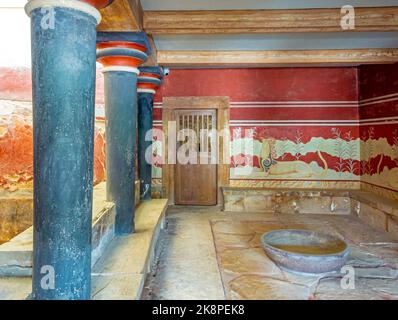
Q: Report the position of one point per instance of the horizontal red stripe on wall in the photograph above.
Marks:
(298, 113)
(296, 133)
(157, 114)
(381, 110)
(277, 84)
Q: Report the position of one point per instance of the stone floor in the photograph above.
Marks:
(209, 254)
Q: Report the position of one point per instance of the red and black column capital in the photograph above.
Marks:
(121, 51)
(149, 79)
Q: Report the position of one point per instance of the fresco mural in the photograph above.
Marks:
(379, 161)
(301, 158)
(304, 123)
(379, 129)
(311, 127)
(291, 157)
(16, 147)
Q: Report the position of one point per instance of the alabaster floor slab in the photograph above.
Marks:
(210, 254)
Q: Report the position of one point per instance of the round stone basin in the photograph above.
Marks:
(305, 251)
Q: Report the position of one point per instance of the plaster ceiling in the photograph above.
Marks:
(259, 4)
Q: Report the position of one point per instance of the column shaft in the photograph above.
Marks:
(121, 54)
(145, 123)
(121, 126)
(63, 74)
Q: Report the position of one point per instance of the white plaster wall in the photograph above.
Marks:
(14, 34)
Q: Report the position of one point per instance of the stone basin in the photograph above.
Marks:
(305, 251)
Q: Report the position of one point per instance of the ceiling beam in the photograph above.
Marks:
(275, 58)
(122, 15)
(267, 21)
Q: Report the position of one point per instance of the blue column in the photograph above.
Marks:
(148, 81)
(121, 124)
(145, 124)
(63, 76)
(120, 59)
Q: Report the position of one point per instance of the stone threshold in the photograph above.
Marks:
(16, 255)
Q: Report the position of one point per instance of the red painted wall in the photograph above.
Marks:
(292, 105)
(16, 148)
(16, 134)
(283, 104)
(280, 84)
(16, 84)
(313, 86)
(378, 88)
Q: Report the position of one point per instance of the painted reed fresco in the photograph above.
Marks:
(378, 103)
(336, 157)
(305, 118)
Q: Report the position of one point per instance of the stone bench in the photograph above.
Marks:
(286, 201)
(16, 213)
(379, 212)
(16, 254)
(16, 231)
(121, 271)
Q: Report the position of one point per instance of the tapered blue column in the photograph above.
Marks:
(148, 81)
(121, 123)
(145, 123)
(120, 60)
(63, 76)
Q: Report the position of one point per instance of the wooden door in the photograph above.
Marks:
(196, 178)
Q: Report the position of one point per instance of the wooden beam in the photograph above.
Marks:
(122, 15)
(275, 58)
(267, 21)
(152, 59)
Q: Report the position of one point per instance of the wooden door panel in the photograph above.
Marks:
(196, 184)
